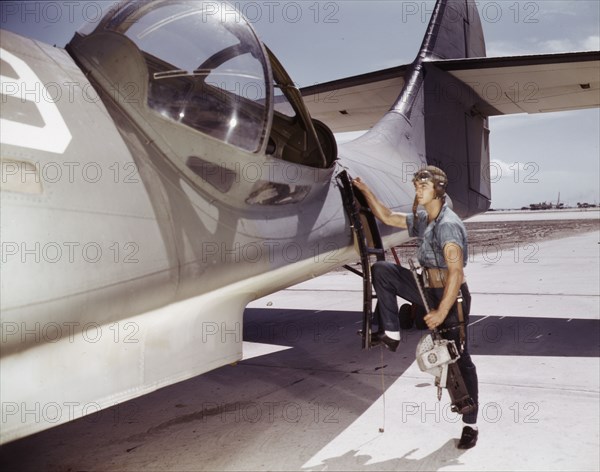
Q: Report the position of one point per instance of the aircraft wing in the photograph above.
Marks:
(505, 85)
(355, 103)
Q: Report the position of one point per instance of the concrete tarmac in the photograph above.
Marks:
(307, 397)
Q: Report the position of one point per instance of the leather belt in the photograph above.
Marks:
(436, 278)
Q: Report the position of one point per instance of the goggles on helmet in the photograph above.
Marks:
(423, 176)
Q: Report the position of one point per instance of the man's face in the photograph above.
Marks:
(425, 191)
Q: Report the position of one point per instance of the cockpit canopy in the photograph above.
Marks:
(204, 72)
(194, 82)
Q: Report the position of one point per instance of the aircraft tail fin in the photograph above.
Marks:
(433, 119)
(458, 135)
(454, 32)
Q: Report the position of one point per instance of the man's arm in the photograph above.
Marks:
(387, 216)
(453, 255)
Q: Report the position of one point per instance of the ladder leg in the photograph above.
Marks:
(350, 199)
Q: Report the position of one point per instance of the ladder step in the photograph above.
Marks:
(357, 214)
(353, 270)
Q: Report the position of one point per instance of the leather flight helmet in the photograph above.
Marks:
(433, 174)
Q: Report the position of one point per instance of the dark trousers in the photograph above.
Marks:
(391, 281)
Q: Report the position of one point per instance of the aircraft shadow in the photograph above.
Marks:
(307, 395)
(488, 335)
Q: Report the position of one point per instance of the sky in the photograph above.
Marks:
(538, 156)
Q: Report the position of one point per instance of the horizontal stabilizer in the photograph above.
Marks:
(505, 85)
(355, 103)
(531, 84)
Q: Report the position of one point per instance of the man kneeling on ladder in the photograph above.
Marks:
(443, 254)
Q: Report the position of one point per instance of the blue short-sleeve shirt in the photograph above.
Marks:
(446, 228)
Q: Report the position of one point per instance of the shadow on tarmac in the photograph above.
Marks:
(218, 420)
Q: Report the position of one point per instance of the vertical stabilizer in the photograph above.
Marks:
(454, 32)
(433, 120)
(457, 137)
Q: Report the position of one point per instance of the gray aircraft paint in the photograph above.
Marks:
(132, 270)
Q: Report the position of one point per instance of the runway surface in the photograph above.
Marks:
(307, 397)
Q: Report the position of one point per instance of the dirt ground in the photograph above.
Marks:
(487, 237)
(511, 233)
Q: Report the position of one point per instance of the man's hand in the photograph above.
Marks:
(434, 318)
(382, 212)
(359, 184)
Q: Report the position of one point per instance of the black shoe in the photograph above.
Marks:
(388, 342)
(468, 438)
(378, 338)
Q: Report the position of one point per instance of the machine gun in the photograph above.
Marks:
(438, 357)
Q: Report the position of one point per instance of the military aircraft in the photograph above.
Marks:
(163, 171)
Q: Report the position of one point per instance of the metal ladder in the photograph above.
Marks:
(369, 245)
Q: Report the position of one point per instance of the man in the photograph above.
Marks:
(443, 254)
